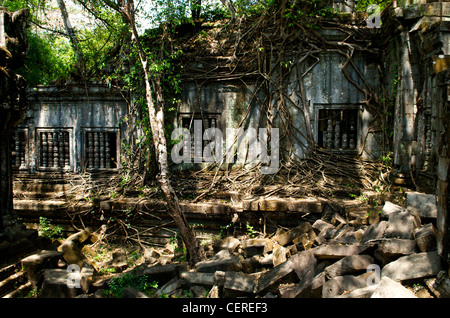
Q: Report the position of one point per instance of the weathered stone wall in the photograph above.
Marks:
(416, 50)
(414, 45)
(76, 109)
(325, 87)
(416, 60)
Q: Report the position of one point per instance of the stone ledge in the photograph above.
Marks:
(283, 205)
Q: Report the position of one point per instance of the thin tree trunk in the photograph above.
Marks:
(196, 7)
(231, 8)
(73, 37)
(195, 252)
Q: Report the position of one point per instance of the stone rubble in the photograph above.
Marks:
(336, 257)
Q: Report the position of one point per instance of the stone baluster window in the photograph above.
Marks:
(338, 129)
(209, 120)
(54, 149)
(19, 151)
(100, 150)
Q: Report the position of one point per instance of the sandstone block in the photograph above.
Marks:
(374, 232)
(305, 205)
(426, 238)
(275, 276)
(364, 292)
(222, 261)
(272, 205)
(280, 255)
(320, 225)
(390, 250)
(341, 284)
(420, 265)
(252, 247)
(303, 264)
(388, 288)
(195, 278)
(401, 225)
(230, 243)
(238, 284)
(287, 237)
(348, 265)
(329, 251)
(58, 284)
(163, 273)
(169, 287)
(250, 205)
(34, 265)
(389, 208)
(423, 204)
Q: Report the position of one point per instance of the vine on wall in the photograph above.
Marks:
(272, 48)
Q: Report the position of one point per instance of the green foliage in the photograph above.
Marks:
(48, 230)
(166, 68)
(250, 231)
(224, 230)
(13, 5)
(179, 250)
(106, 271)
(141, 282)
(387, 160)
(33, 293)
(49, 58)
(362, 5)
(305, 9)
(133, 257)
(251, 7)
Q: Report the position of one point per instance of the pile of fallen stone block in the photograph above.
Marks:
(391, 254)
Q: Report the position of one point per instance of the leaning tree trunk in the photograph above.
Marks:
(195, 252)
(13, 49)
(73, 37)
(231, 8)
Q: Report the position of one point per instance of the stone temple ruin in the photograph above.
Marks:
(70, 130)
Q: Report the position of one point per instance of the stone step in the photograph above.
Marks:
(46, 205)
(21, 291)
(27, 195)
(12, 282)
(9, 270)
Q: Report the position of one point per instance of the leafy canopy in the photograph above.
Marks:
(104, 40)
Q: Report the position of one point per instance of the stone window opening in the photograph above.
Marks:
(54, 149)
(19, 149)
(100, 149)
(337, 129)
(208, 120)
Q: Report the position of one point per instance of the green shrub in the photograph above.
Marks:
(118, 284)
(46, 229)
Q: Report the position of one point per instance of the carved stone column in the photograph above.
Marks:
(443, 174)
